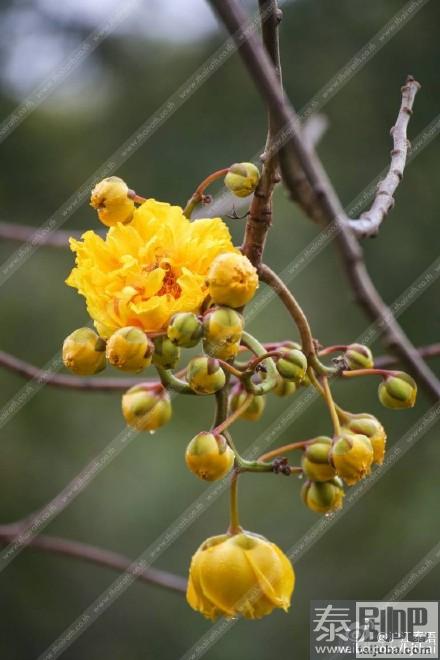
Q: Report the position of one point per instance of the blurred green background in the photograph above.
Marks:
(146, 487)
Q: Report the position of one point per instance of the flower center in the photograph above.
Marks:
(169, 284)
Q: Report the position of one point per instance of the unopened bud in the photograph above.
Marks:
(209, 456)
(254, 410)
(185, 329)
(84, 352)
(284, 387)
(242, 179)
(316, 460)
(323, 496)
(110, 198)
(358, 356)
(166, 354)
(352, 456)
(222, 350)
(292, 365)
(205, 375)
(232, 279)
(371, 427)
(398, 390)
(146, 409)
(223, 324)
(129, 349)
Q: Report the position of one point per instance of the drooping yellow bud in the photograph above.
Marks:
(223, 324)
(129, 349)
(110, 198)
(166, 353)
(254, 410)
(398, 391)
(316, 460)
(185, 329)
(371, 427)
(242, 179)
(232, 280)
(352, 456)
(205, 375)
(146, 409)
(323, 496)
(209, 456)
(358, 356)
(292, 365)
(243, 574)
(84, 352)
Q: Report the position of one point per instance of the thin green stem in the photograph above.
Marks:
(198, 194)
(331, 406)
(226, 423)
(366, 372)
(234, 521)
(272, 374)
(170, 381)
(284, 449)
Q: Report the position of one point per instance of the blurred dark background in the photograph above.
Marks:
(48, 157)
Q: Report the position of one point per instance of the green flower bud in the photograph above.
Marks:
(352, 456)
(242, 179)
(255, 409)
(292, 365)
(316, 460)
(146, 409)
(223, 324)
(284, 387)
(129, 349)
(205, 375)
(209, 456)
(185, 329)
(358, 356)
(324, 496)
(84, 352)
(222, 350)
(398, 390)
(369, 426)
(166, 354)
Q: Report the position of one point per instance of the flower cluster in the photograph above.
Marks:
(158, 284)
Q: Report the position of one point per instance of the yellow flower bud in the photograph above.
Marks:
(244, 574)
(352, 456)
(255, 409)
(84, 352)
(209, 456)
(398, 390)
(284, 387)
(129, 349)
(146, 409)
(166, 354)
(358, 356)
(223, 324)
(316, 460)
(110, 198)
(185, 329)
(242, 179)
(292, 365)
(205, 375)
(223, 350)
(323, 496)
(368, 425)
(232, 280)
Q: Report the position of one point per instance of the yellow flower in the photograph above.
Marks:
(209, 456)
(146, 271)
(244, 574)
(110, 198)
(352, 456)
(232, 280)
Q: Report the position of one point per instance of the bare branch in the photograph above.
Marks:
(314, 128)
(430, 351)
(370, 221)
(98, 556)
(27, 234)
(323, 204)
(31, 372)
